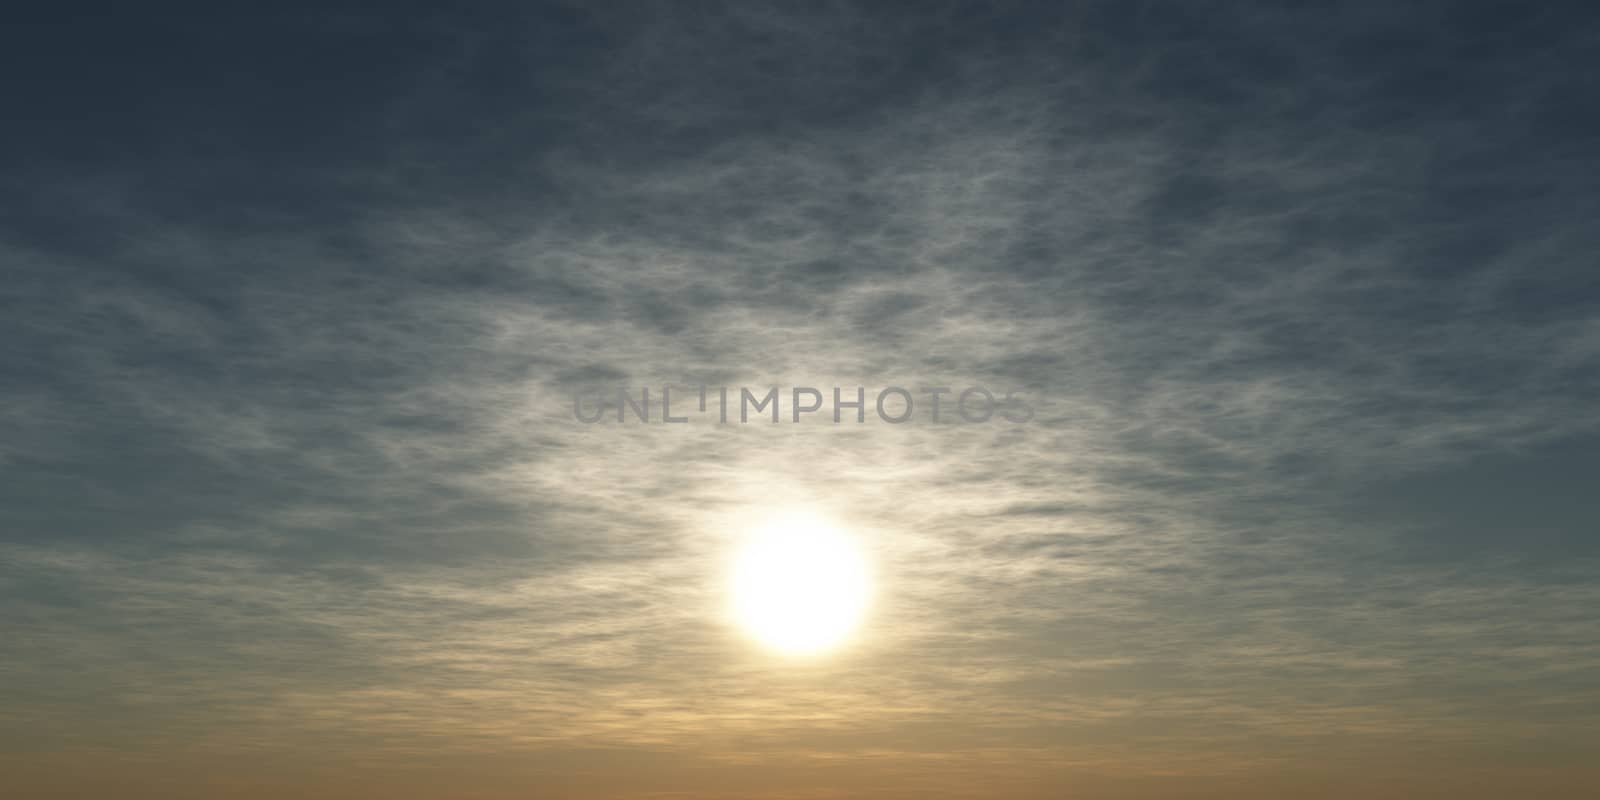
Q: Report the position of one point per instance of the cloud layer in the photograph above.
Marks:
(292, 472)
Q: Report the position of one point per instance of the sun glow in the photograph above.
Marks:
(800, 585)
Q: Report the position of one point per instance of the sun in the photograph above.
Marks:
(800, 585)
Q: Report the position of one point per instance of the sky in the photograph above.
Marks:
(298, 298)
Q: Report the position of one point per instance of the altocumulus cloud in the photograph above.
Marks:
(289, 452)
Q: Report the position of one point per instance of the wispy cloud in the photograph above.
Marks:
(279, 478)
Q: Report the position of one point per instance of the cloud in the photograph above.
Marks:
(316, 474)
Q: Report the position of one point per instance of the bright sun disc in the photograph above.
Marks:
(799, 585)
